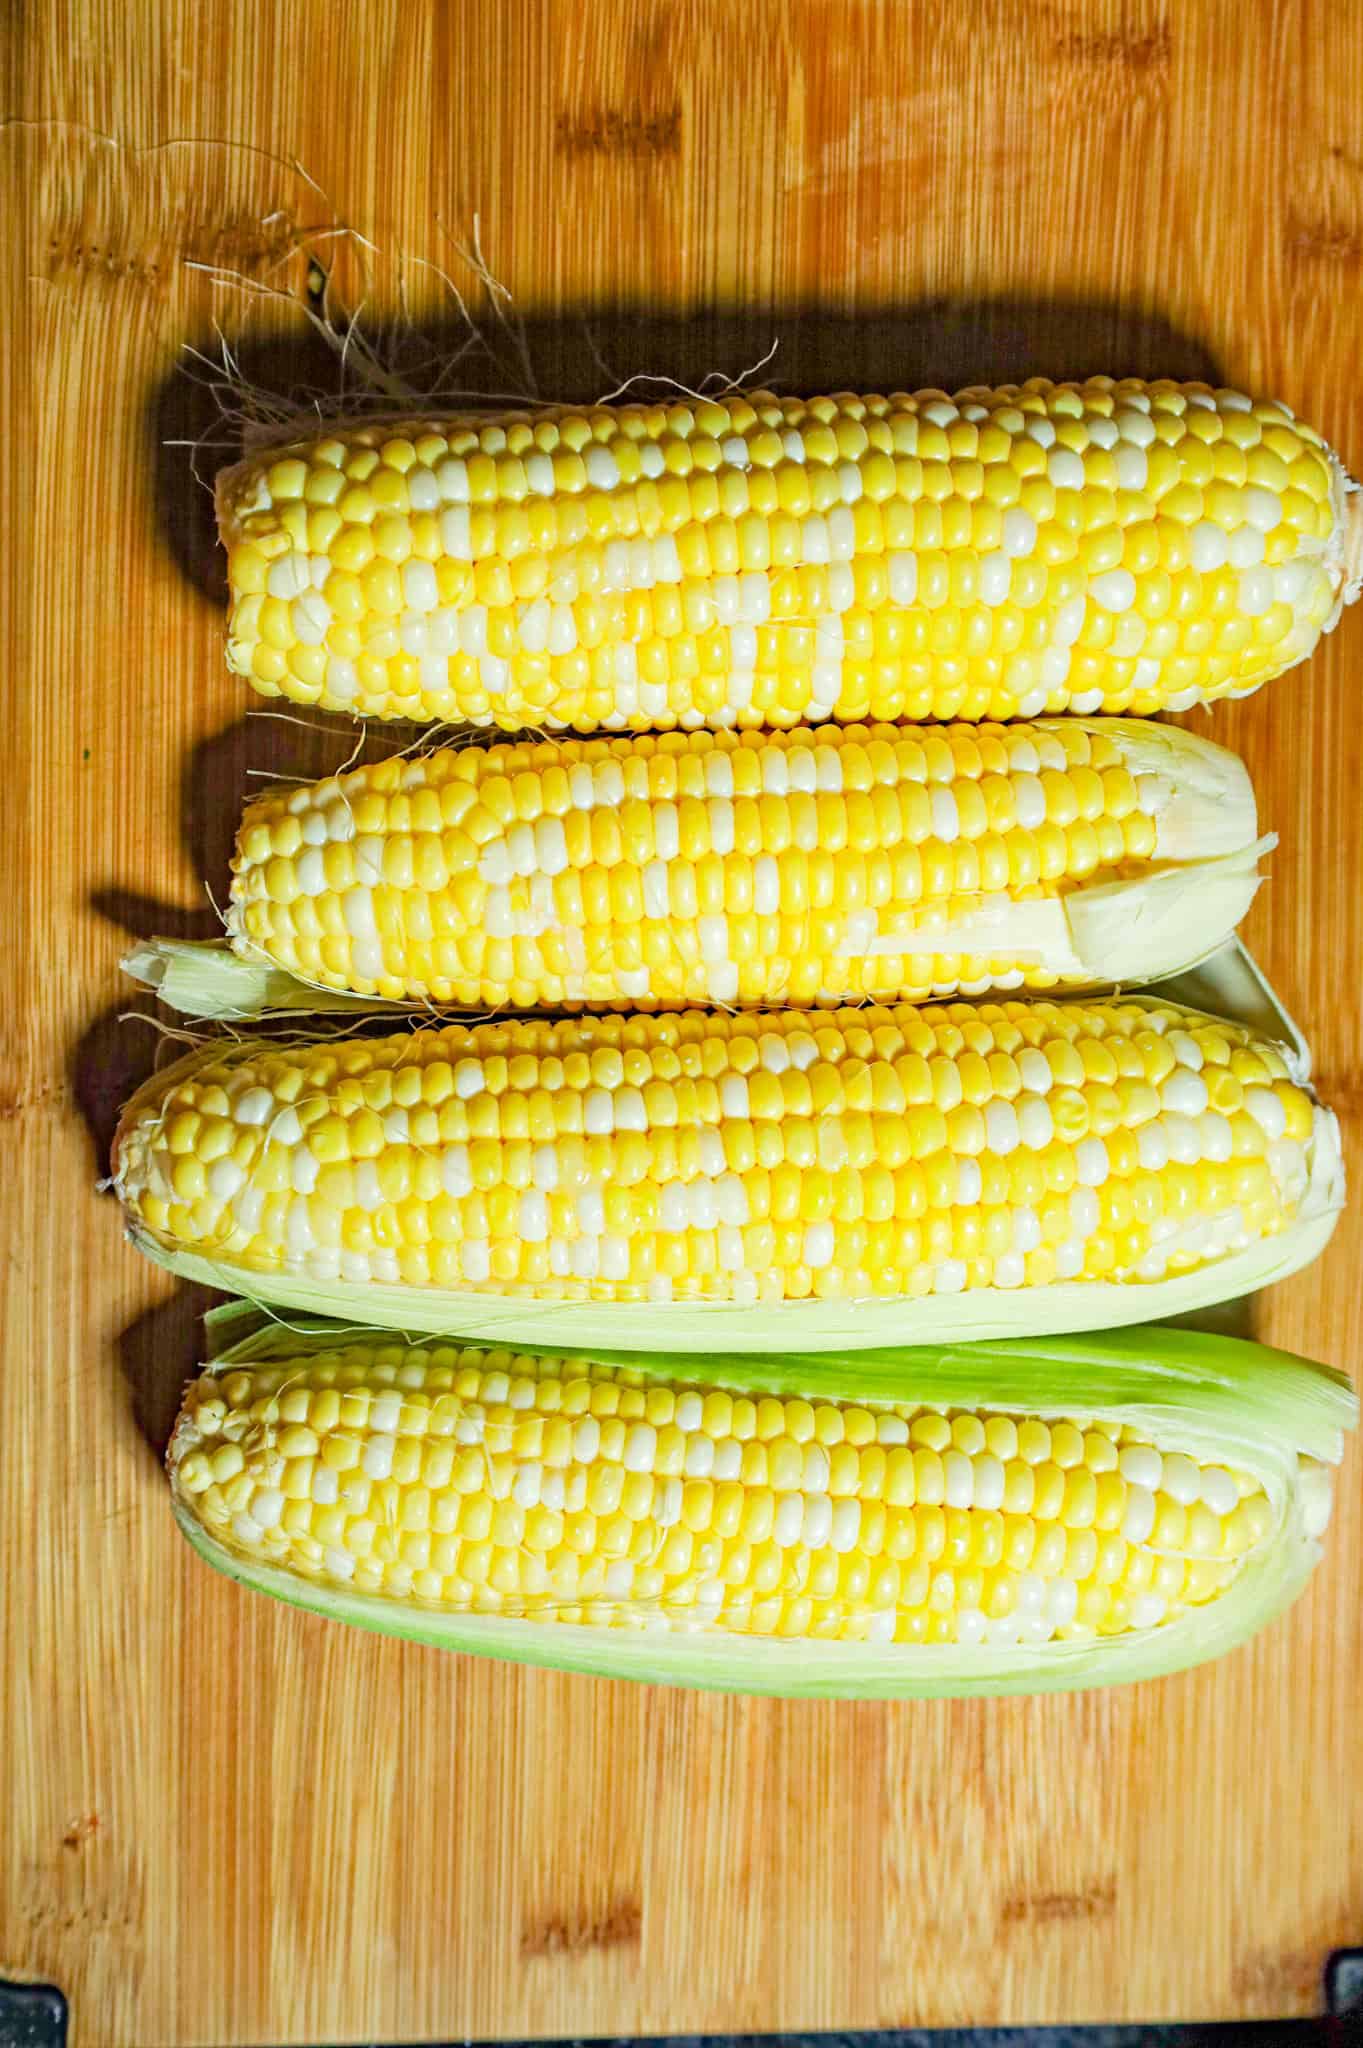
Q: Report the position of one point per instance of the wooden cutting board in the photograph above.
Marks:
(221, 1821)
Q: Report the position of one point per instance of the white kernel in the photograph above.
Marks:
(1029, 802)
(773, 1052)
(1184, 1092)
(995, 579)
(969, 1183)
(1184, 1047)
(958, 1480)
(842, 587)
(1065, 469)
(1267, 1110)
(253, 1106)
(1245, 548)
(1207, 546)
(816, 1523)
(730, 1248)
(849, 482)
(1256, 591)
(561, 637)
(818, 1245)
(1026, 1230)
(1091, 1162)
(1148, 1610)
(1181, 1479)
(733, 1095)
(475, 1257)
(1136, 431)
(902, 572)
(225, 1177)
(1009, 1270)
(1219, 1490)
(419, 586)
(842, 534)
(1068, 622)
(1114, 590)
(1019, 531)
(788, 1520)
(1034, 1070)
(828, 768)
(846, 1525)
(988, 1481)
(735, 452)
(946, 818)
(376, 1459)
(699, 1459)
(1102, 431)
(603, 471)
(454, 533)
(1031, 1593)
(1152, 1147)
(1292, 582)
(304, 1167)
(325, 1486)
(614, 1256)
(1184, 1144)
(814, 545)
(1085, 1211)
(452, 480)
(1138, 1516)
(1140, 1465)
(1000, 1126)
(1263, 508)
(598, 1114)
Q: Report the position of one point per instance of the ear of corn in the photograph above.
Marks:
(803, 867)
(835, 1178)
(763, 561)
(992, 1518)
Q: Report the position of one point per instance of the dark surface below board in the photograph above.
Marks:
(35, 2016)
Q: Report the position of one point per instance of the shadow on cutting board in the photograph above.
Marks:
(574, 357)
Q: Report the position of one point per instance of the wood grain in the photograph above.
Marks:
(224, 1822)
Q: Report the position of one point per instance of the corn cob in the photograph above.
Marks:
(803, 867)
(990, 1519)
(969, 1169)
(764, 561)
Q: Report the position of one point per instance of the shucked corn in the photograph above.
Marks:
(568, 1490)
(757, 560)
(848, 1155)
(804, 867)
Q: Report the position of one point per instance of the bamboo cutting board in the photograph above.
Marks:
(221, 1821)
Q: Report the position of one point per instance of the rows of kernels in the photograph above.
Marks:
(562, 1490)
(692, 1156)
(759, 560)
(802, 866)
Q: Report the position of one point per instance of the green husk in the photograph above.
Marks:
(1258, 1409)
